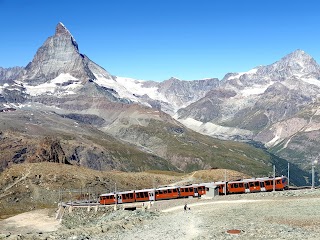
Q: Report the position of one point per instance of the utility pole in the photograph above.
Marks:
(274, 178)
(313, 163)
(225, 182)
(288, 174)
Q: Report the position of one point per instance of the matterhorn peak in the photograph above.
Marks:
(61, 29)
(58, 56)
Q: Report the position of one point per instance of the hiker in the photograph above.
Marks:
(186, 208)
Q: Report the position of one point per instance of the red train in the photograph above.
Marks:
(195, 190)
(253, 185)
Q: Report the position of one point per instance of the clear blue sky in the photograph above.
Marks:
(157, 39)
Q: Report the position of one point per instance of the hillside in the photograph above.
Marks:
(31, 186)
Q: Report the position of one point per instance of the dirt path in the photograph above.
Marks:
(34, 221)
(178, 208)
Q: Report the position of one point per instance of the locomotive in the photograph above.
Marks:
(195, 190)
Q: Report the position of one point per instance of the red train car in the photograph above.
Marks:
(145, 195)
(267, 183)
(201, 188)
(187, 191)
(252, 185)
(222, 187)
(126, 197)
(108, 198)
(167, 193)
(236, 187)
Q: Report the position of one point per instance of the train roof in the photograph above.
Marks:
(125, 192)
(107, 194)
(270, 178)
(164, 188)
(145, 190)
(219, 183)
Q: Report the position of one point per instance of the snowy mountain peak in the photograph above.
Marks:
(297, 63)
(61, 29)
(298, 56)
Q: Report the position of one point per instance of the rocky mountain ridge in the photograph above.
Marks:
(264, 104)
(63, 84)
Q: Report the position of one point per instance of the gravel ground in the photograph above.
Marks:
(275, 215)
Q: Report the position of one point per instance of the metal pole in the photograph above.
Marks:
(312, 186)
(274, 178)
(288, 174)
(225, 182)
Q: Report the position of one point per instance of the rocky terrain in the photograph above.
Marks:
(64, 108)
(274, 215)
(277, 105)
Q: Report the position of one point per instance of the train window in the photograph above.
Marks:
(165, 191)
(278, 181)
(186, 189)
(145, 194)
(261, 184)
(251, 184)
(157, 192)
(236, 185)
(181, 189)
(174, 190)
(256, 184)
(241, 185)
(207, 189)
(191, 189)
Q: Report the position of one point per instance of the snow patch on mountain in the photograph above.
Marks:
(312, 81)
(130, 88)
(255, 90)
(238, 75)
(215, 130)
(64, 84)
(136, 86)
(3, 87)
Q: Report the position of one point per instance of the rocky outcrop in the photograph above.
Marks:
(9, 74)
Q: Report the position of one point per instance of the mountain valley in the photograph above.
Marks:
(64, 108)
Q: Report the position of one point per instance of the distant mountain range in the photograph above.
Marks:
(63, 107)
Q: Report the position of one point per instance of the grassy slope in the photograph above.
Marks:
(26, 186)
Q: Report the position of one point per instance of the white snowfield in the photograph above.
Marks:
(55, 86)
